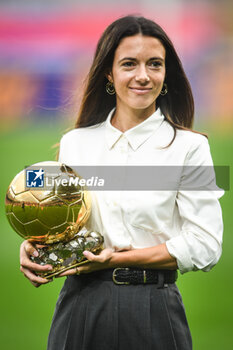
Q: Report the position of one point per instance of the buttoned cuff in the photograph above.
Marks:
(178, 249)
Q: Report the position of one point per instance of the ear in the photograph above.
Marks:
(109, 77)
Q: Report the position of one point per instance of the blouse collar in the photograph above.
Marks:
(137, 135)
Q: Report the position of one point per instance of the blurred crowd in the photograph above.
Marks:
(46, 51)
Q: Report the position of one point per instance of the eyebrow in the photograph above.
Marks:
(134, 59)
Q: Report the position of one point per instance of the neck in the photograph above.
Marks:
(127, 118)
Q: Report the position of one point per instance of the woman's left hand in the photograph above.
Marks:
(96, 262)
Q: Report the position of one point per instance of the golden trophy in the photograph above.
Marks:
(46, 205)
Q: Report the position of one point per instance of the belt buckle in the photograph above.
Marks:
(114, 275)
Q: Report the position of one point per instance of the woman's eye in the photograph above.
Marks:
(128, 64)
(155, 64)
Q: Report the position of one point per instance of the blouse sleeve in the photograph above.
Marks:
(67, 148)
(198, 246)
(62, 151)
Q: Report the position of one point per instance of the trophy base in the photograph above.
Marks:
(64, 256)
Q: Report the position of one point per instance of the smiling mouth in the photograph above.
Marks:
(140, 90)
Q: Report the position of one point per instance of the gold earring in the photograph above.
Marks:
(110, 88)
(164, 90)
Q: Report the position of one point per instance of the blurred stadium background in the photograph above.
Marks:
(46, 49)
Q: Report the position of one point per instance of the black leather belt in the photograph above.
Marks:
(126, 275)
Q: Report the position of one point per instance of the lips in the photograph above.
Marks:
(140, 90)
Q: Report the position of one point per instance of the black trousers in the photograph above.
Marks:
(92, 314)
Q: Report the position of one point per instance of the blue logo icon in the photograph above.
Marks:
(35, 178)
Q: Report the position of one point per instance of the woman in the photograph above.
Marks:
(137, 109)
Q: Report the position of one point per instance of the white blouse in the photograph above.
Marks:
(190, 222)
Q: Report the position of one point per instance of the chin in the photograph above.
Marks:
(143, 106)
(141, 103)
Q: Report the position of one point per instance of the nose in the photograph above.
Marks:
(141, 75)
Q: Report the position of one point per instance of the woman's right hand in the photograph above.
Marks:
(29, 268)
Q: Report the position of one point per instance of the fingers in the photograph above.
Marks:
(34, 279)
(74, 271)
(89, 255)
(97, 262)
(27, 263)
(28, 268)
(104, 256)
(27, 250)
(86, 268)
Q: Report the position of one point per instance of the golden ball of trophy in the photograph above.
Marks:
(46, 205)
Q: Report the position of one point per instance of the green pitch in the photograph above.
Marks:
(26, 312)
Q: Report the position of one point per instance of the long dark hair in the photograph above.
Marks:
(177, 105)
